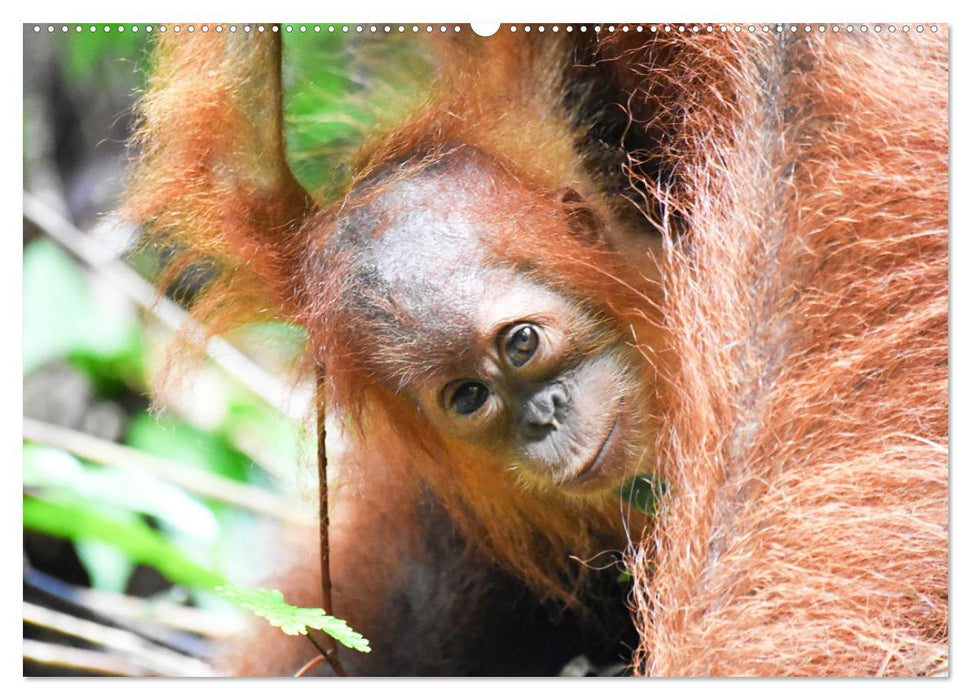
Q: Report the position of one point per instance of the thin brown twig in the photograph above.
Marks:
(329, 655)
(331, 652)
(309, 665)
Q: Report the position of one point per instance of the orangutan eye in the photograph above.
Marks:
(521, 343)
(468, 397)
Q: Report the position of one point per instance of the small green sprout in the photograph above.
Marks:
(643, 492)
(270, 605)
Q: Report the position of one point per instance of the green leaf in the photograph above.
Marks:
(643, 492)
(270, 605)
(77, 522)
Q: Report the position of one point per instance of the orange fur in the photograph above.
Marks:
(805, 442)
(210, 182)
(800, 183)
(527, 528)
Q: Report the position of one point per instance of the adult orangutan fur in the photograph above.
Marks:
(796, 184)
(806, 440)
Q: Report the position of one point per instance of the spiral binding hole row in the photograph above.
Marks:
(513, 28)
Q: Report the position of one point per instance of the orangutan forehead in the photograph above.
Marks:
(419, 242)
(424, 274)
(428, 262)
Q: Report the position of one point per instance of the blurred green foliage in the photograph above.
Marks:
(172, 439)
(91, 53)
(338, 87)
(63, 319)
(321, 115)
(141, 543)
(105, 511)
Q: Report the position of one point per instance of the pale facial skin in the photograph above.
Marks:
(544, 388)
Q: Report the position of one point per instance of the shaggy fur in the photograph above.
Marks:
(209, 180)
(805, 435)
(800, 185)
